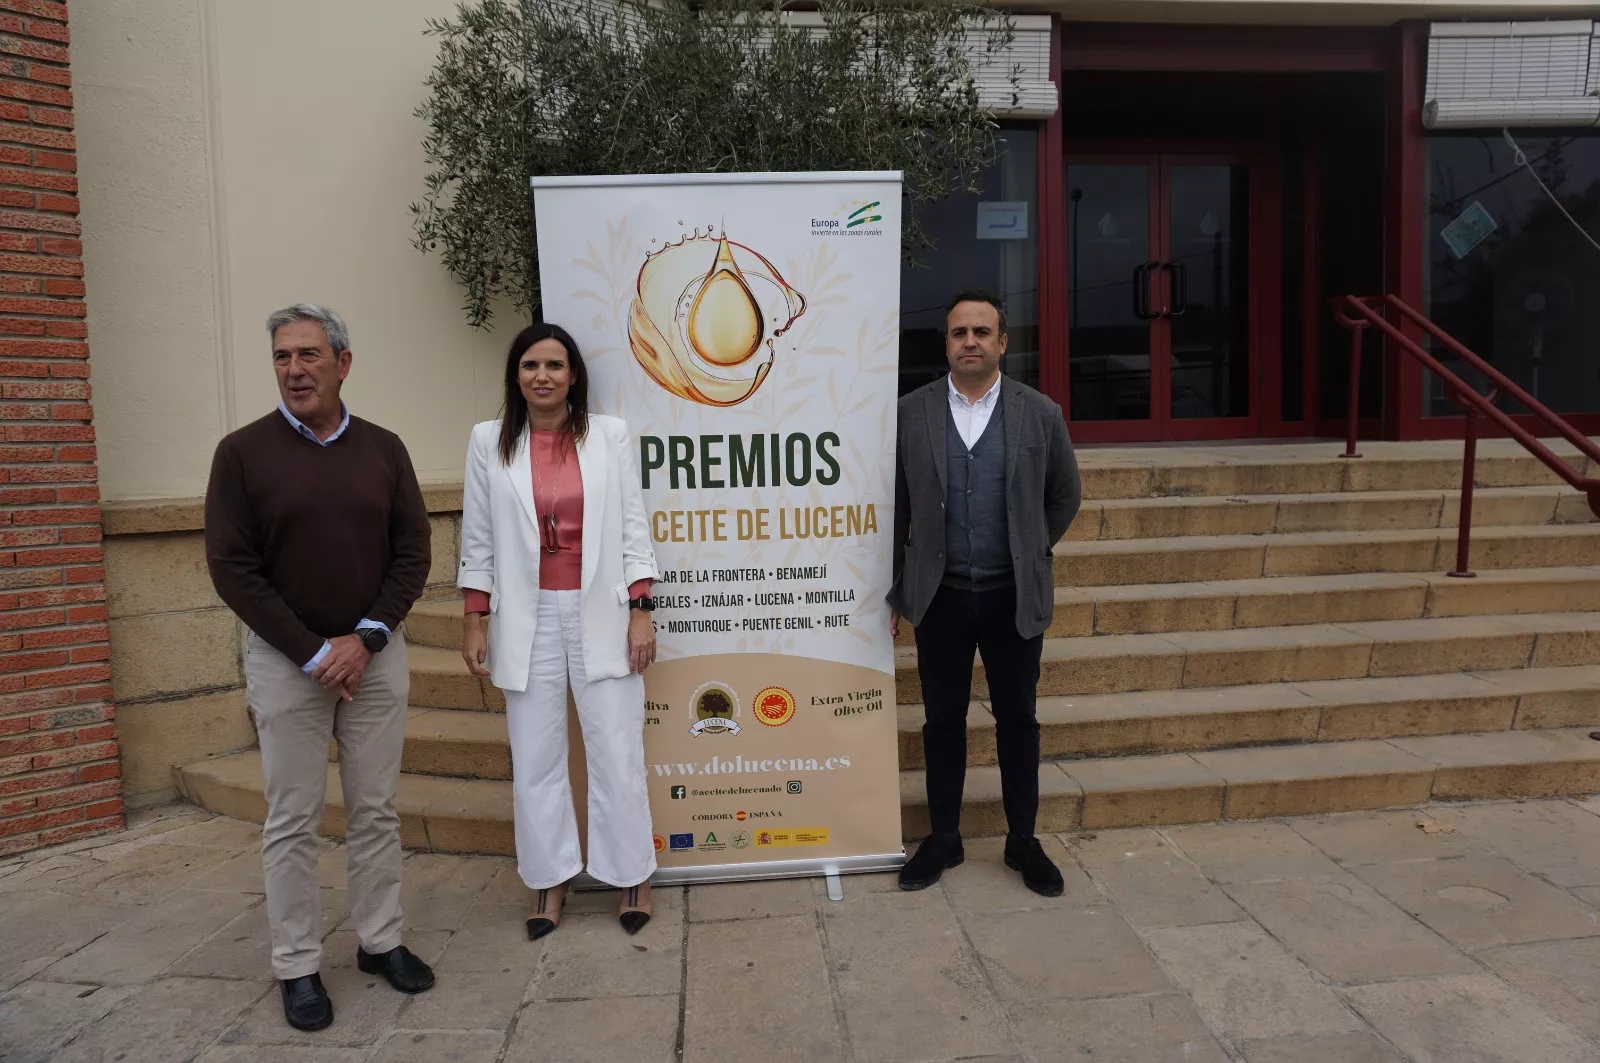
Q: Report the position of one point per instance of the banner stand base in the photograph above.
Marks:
(835, 887)
(830, 867)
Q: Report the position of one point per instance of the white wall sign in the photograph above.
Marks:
(1003, 220)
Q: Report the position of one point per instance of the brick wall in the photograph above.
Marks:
(59, 770)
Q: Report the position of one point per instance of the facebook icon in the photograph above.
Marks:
(681, 841)
(680, 792)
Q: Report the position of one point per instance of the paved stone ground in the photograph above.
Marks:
(1445, 934)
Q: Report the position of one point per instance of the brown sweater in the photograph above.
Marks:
(304, 541)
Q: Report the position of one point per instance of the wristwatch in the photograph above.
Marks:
(373, 638)
(644, 602)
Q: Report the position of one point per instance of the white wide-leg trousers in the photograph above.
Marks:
(611, 712)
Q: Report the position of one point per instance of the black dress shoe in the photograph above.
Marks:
(305, 1003)
(937, 852)
(403, 970)
(1038, 873)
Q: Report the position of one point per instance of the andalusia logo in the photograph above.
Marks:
(773, 706)
(706, 317)
(863, 215)
(716, 709)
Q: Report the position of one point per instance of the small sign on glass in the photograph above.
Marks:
(1003, 220)
(1469, 229)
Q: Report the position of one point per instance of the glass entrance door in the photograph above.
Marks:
(1160, 301)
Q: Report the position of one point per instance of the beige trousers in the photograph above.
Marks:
(295, 718)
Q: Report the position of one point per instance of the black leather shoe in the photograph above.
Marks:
(1038, 873)
(403, 970)
(937, 852)
(305, 1003)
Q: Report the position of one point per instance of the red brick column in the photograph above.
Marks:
(59, 774)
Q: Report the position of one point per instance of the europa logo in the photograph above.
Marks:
(850, 216)
(862, 215)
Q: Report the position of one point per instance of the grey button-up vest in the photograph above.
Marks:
(977, 546)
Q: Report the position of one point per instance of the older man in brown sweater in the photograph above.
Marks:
(317, 537)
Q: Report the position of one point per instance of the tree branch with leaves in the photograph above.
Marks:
(531, 87)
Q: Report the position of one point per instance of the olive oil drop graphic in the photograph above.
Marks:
(704, 309)
(725, 320)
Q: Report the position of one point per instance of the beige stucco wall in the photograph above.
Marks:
(238, 156)
(139, 89)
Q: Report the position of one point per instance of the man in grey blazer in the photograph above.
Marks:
(985, 484)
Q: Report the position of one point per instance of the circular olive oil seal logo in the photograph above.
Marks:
(716, 709)
(773, 706)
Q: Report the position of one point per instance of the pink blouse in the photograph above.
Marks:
(558, 489)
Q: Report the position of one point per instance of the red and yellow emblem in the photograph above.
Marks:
(774, 706)
(661, 844)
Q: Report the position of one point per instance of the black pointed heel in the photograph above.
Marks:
(539, 925)
(633, 917)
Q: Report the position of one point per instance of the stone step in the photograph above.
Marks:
(1170, 721)
(1292, 780)
(1275, 601)
(1154, 518)
(1108, 664)
(473, 745)
(437, 814)
(1307, 468)
(1279, 601)
(453, 742)
(440, 680)
(1189, 559)
(452, 815)
(435, 623)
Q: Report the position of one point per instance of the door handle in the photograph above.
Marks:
(1180, 288)
(1141, 290)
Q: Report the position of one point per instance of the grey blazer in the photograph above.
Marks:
(1042, 497)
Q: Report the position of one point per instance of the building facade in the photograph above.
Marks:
(1183, 186)
(1203, 191)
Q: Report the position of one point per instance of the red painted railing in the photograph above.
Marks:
(1359, 313)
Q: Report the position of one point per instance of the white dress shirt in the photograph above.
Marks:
(973, 417)
(306, 431)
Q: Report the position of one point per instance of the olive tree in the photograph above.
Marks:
(529, 87)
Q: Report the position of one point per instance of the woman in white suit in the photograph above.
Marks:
(555, 551)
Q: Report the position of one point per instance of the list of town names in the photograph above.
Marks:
(793, 598)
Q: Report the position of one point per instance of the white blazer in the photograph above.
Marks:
(500, 547)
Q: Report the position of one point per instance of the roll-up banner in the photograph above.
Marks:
(746, 326)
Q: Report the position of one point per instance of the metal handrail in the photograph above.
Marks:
(1358, 313)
